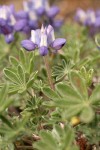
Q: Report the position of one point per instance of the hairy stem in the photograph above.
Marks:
(48, 72)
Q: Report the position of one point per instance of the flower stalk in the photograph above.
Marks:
(48, 72)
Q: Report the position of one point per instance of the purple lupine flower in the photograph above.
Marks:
(7, 22)
(40, 11)
(57, 23)
(44, 40)
(53, 11)
(80, 16)
(98, 13)
(90, 18)
(97, 22)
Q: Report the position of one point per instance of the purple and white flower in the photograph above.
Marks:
(40, 12)
(43, 40)
(90, 19)
(7, 22)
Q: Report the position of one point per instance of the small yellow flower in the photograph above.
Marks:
(75, 120)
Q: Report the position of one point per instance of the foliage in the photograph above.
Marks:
(35, 116)
(58, 138)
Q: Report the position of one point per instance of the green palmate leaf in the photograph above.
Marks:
(48, 138)
(22, 57)
(31, 67)
(6, 121)
(31, 79)
(21, 74)
(16, 129)
(95, 97)
(30, 83)
(79, 84)
(20, 79)
(62, 70)
(67, 91)
(11, 76)
(14, 88)
(42, 146)
(68, 139)
(57, 139)
(87, 114)
(3, 94)
(50, 93)
(65, 103)
(4, 103)
(72, 111)
(14, 61)
(69, 101)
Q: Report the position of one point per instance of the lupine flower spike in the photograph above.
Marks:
(7, 22)
(89, 18)
(44, 40)
(38, 10)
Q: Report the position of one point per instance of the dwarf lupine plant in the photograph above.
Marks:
(47, 109)
(45, 41)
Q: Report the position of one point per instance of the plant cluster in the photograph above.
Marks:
(49, 100)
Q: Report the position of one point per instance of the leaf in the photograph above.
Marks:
(3, 94)
(67, 91)
(31, 66)
(6, 121)
(22, 57)
(72, 111)
(57, 139)
(21, 74)
(31, 80)
(4, 103)
(11, 76)
(79, 84)
(14, 61)
(95, 97)
(87, 114)
(65, 103)
(50, 93)
(68, 139)
(48, 138)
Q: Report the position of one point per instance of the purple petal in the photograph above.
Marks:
(22, 15)
(80, 16)
(98, 13)
(2, 22)
(54, 10)
(40, 11)
(20, 25)
(57, 23)
(43, 50)
(38, 36)
(9, 38)
(58, 43)
(6, 29)
(50, 34)
(28, 45)
(33, 24)
(12, 8)
(26, 29)
(97, 23)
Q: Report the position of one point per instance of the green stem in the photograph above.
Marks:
(48, 72)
